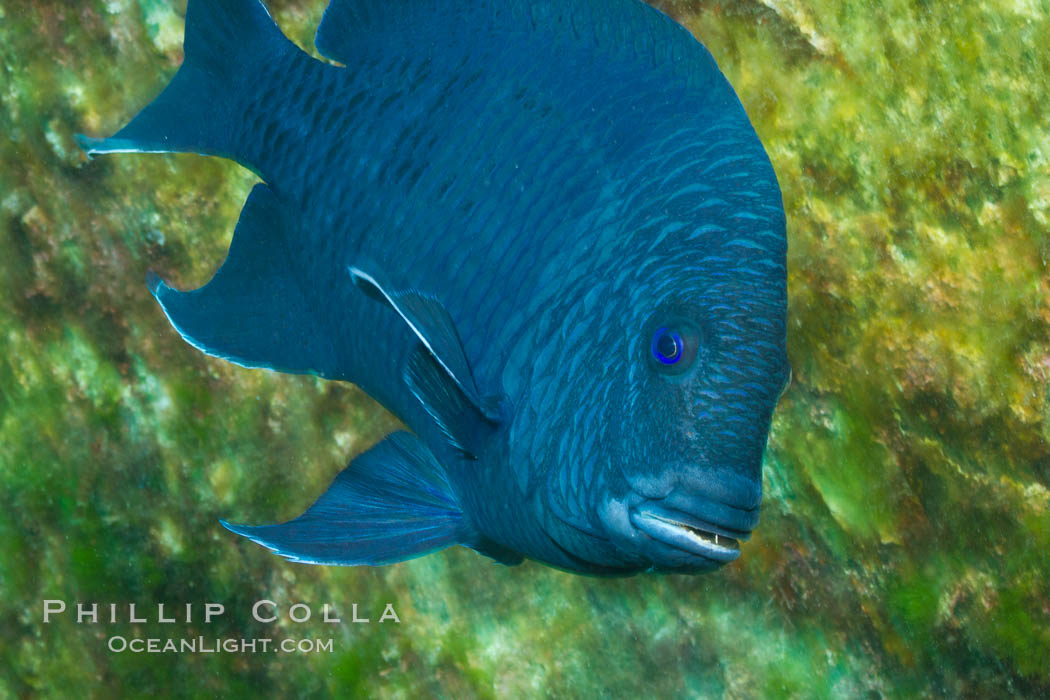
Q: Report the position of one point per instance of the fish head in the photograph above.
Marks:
(708, 366)
(664, 418)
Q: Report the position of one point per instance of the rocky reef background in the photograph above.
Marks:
(904, 541)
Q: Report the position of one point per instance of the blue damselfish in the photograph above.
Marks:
(543, 233)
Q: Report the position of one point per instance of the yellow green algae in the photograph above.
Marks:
(904, 541)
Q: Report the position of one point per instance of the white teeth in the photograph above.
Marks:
(714, 538)
(690, 538)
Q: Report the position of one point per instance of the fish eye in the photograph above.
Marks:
(667, 346)
(673, 347)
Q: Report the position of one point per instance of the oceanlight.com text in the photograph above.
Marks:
(119, 644)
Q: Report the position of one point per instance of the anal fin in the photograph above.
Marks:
(391, 504)
(497, 552)
(253, 312)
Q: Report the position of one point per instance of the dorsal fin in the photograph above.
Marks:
(626, 27)
(202, 110)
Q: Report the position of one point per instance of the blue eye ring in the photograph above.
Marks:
(667, 346)
(674, 346)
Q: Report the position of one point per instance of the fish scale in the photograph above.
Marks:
(482, 217)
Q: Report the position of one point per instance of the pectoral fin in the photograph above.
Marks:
(432, 324)
(437, 371)
(459, 420)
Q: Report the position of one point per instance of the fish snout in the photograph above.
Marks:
(706, 515)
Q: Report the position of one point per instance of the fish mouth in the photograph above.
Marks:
(688, 533)
(682, 519)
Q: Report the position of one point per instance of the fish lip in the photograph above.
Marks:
(662, 511)
(713, 485)
(688, 533)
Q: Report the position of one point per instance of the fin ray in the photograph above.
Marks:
(392, 503)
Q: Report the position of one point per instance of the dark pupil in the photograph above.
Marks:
(668, 347)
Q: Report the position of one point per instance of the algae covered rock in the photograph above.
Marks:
(906, 521)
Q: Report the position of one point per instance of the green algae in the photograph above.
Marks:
(906, 526)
